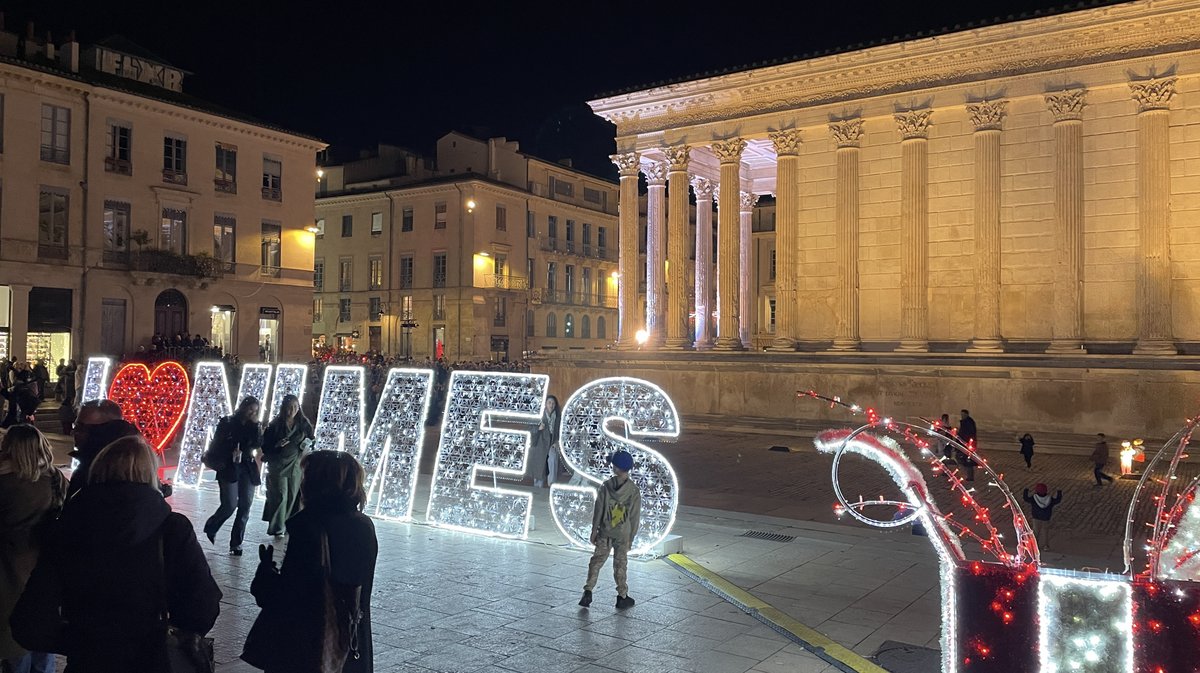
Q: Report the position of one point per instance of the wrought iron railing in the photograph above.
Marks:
(506, 282)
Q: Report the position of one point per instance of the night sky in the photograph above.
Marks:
(357, 73)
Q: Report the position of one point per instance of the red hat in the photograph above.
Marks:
(1041, 489)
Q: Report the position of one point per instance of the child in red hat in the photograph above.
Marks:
(1042, 507)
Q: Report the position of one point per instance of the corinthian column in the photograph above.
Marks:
(988, 118)
(847, 134)
(745, 288)
(656, 248)
(787, 238)
(729, 153)
(1154, 216)
(677, 247)
(704, 204)
(914, 230)
(627, 259)
(1067, 317)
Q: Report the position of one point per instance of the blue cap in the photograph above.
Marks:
(621, 460)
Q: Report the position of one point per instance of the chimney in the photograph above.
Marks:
(68, 55)
(49, 46)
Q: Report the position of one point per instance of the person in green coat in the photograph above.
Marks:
(287, 437)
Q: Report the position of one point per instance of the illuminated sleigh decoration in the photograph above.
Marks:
(1009, 613)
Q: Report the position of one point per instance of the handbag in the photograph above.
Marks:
(342, 615)
(187, 652)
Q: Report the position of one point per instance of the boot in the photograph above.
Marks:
(587, 598)
(625, 602)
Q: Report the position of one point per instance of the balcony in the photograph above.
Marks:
(439, 279)
(225, 186)
(272, 193)
(270, 271)
(174, 177)
(504, 282)
(166, 261)
(565, 247)
(118, 166)
(116, 257)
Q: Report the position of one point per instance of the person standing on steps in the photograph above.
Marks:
(1100, 459)
(284, 442)
(1027, 450)
(615, 521)
(1041, 508)
(231, 454)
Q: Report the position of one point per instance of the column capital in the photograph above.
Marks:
(1066, 105)
(655, 172)
(913, 124)
(988, 115)
(847, 132)
(704, 187)
(1153, 94)
(678, 157)
(748, 200)
(729, 151)
(627, 163)
(787, 142)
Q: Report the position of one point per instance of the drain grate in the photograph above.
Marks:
(763, 535)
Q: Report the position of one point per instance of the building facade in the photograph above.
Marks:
(130, 208)
(482, 253)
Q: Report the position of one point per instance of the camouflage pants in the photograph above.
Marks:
(620, 552)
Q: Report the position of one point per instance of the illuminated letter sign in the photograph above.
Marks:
(391, 456)
(209, 403)
(256, 380)
(340, 416)
(289, 380)
(95, 379)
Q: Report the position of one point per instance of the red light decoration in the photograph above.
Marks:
(153, 401)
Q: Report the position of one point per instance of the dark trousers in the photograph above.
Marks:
(237, 495)
(1028, 459)
(1098, 473)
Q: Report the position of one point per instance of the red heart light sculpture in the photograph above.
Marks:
(154, 401)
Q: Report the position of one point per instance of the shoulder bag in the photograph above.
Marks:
(187, 652)
(342, 615)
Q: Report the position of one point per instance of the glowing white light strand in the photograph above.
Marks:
(1179, 557)
(391, 455)
(340, 418)
(95, 379)
(256, 380)
(1085, 623)
(470, 445)
(645, 411)
(208, 404)
(289, 380)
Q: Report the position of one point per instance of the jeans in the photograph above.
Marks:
(32, 662)
(1098, 473)
(237, 495)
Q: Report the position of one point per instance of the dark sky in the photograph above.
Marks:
(355, 73)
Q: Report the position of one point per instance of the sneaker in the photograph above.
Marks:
(586, 600)
(626, 602)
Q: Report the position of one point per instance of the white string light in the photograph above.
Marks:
(256, 380)
(1085, 623)
(209, 403)
(95, 379)
(340, 417)
(391, 456)
(289, 380)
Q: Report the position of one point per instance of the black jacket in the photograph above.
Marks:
(103, 561)
(966, 429)
(1042, 513)
(230, 434)
(98, 437)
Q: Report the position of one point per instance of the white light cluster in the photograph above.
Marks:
(255, 382)
(1085, 623)
(208, 404)
(391, 456)
(340, 417)
(289, 380)
(471, 443)
(645, 411)
(95, 379)
(1180, 556)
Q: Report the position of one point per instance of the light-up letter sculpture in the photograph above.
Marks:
(471, 445)
(209, 403)
(587, 440)
(340, 416)
(95, 379)
(256, 380)
(392, 453)
(289, 380)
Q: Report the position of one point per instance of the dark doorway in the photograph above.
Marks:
(170, 313)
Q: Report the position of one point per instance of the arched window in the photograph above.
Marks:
(600, 328)
(585, 327)
(529, 323)
(569, 326)
(551, 325)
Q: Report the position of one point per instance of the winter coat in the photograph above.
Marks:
(23, 505)
(1027, 446)
(283, 457)
(618, 511)
(99, 436)
(542, 444)
(1042, 506)
(103, 560)
(229, 435)
(1100, 454)
(966, 430)
(294, 594)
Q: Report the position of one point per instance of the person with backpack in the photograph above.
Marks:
(1041, 508)
(615, 520)
(32, 492)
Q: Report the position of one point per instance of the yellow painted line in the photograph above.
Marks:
(812, 640)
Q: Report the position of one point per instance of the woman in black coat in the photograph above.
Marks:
(232, 454)
(287, 635)
(117, 560)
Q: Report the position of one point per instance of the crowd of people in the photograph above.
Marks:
(24, 385)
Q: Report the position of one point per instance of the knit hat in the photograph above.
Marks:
(621, 460)
(1041, 489)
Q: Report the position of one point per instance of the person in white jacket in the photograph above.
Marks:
(615, 521)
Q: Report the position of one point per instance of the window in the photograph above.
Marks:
(347, 226)
(319, 275)
(501, 317)
(317, 306)
(529, 269)
(320, 227)
(771, 315)
(592, 195)
(173, 231)
(530, 224)
(116, 231)
(343, 310)
(439, 215)
(56, 134)
(345, 275)
(600, 328)
(374, 308)
(551, 276)
(585, 327)
(406, 224)
(406, 272)
(500, 265)
(52, 224)
(551, 325)
(561, 187)
(117, 151)
(569, 326)
(376, 224)
(570, 284)
(587, 234)
(224, 230)
(439, 269)
(501, 218)
(585, 285)
(272, 184)
(375, 272)
(529, 323)
(552, 226)
(439, 307)
(271, 248)
(225, 179)
(601, 240)
(772, 272)
(570, 235)
(406, 309)
(174, 160)
(601, 290)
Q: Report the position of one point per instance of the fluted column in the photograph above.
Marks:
(703, 307)
(729, 153)
(1155, 332)
(1067, 317)
(677, 247)
(847, 134)
(745, 281)
(914, 230)
(656, 248)
(627, 258)
(787, 238)
(988, 119)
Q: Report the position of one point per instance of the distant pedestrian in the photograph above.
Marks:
(287, 437)
(1100, 459)
(615, 520)
(1041, 507)
(967, 435)
(232, 454)
(543, 464)
(1027, 450)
